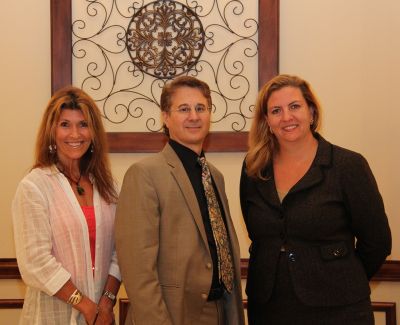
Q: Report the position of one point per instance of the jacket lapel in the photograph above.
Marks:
(267, 189)
(315, 174)
(178, 172)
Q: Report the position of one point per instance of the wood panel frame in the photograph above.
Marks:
(61, 75)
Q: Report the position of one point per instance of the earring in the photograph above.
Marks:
(270, 130)
(92, 148)
(312, 122)
(52, 148)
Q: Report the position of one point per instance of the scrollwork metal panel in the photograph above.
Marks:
(125, 51)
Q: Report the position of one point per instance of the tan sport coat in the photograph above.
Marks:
(162, 246)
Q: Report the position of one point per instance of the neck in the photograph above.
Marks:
(298, 150)
(197, 148)
(75, 181)
(71, 168)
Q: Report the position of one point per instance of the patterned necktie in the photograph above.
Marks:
(225, 266)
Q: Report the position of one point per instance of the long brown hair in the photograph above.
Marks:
(95, 161)
(262, 143)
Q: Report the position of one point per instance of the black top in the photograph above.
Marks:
(193, 169)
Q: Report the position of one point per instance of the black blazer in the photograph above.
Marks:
(332, 223)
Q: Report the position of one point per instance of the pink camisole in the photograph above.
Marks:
(88, 211)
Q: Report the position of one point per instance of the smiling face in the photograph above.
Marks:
(289, 115)
(191, 128)
(72, 136)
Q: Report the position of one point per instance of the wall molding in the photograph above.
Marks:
(389, 308)
(11, 303)
(9, 269)
(390, 270)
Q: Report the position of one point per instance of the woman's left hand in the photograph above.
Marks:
(106, 314)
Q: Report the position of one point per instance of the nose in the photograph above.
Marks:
(286, 114)
(193, 115)
(75, 131)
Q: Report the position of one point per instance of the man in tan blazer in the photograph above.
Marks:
(165, 243)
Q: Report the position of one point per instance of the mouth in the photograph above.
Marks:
(193, 127)
(290, 127)
(76, 144)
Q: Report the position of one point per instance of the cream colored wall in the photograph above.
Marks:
(348, 49)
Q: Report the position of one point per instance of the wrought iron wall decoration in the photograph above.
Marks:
(106, 79)
(165, 39)
(126, 51)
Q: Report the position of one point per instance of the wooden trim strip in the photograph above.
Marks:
(122, 142)
(9, 269)
(61, 44)
(11, 303)
(390, 270)
(389, 308)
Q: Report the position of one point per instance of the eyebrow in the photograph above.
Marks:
(198, 104)
(291, 103)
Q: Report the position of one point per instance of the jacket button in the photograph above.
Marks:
(337, 252)
(292, 257)
(204, 296)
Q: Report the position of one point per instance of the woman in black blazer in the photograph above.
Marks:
(314, 215)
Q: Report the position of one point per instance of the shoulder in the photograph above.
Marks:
(346, 158)
(38, 176)
(153, 166)
(36, 185)
(346, 164)
(337, 156)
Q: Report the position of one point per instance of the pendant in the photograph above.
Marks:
(80, 189)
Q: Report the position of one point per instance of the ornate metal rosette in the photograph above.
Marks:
(165, 39)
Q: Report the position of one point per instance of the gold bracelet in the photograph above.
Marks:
(75, 298)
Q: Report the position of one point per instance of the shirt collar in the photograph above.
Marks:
(186, 155)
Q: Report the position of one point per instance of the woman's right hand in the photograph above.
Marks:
(89, 310)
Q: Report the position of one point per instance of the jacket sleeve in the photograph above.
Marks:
(368, 218)
(137, 243)
(32, 232)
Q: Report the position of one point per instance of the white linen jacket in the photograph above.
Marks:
(52, 246)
